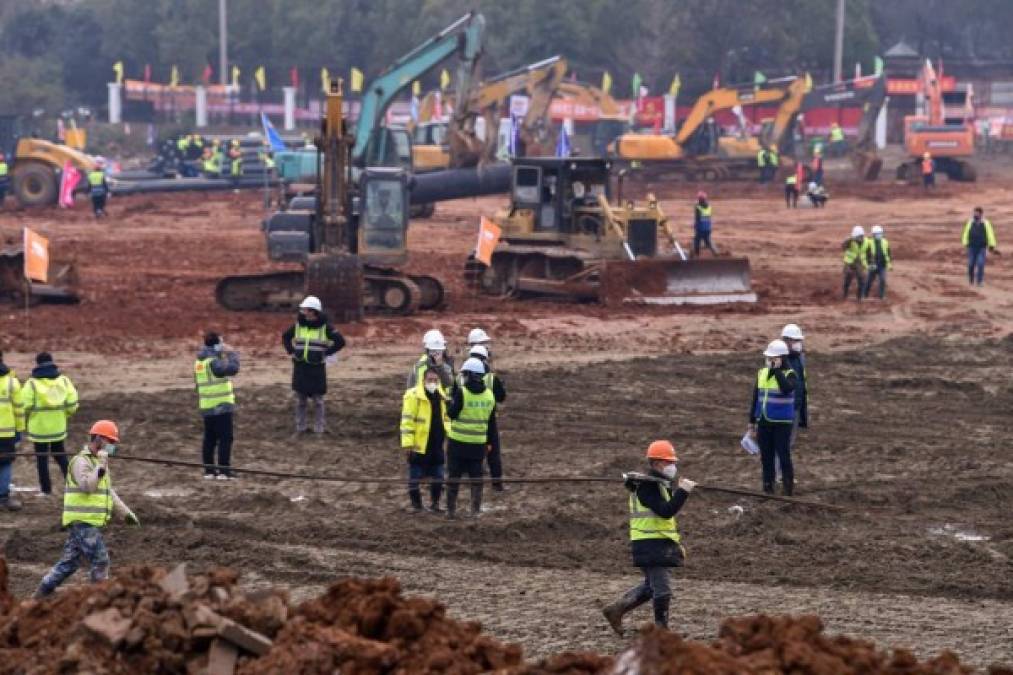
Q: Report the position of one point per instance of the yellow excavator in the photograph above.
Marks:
(36, 163)
(440, 145)
(592, 137)
(698, 151)
(564, 237)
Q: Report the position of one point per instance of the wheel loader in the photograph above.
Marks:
(36, 164)
(564, 237)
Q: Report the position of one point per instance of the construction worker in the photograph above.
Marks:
(838, 144)
(879, 260)
(89, 503)
(235, 159)
(791, 190)
(856, 261)
(978, 235)
(49, 400)
(654, 534)
(309, 342)
(211, 164)
(216, 400)
(5, 179)
(424, 427)
(761, 164)
(928, 171)
(773, 162)
(792, 336)
(702, 224)
(12, 424)
(494, 451)
(267, 159)
(772, 415)
(817, 195)
(98, 188)
(471, 405)
(816, 167)
(436, 357)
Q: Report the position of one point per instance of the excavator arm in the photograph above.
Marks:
(787, 112)
(463, 37)
(724, 99)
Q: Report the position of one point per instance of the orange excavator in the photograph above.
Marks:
(950, 141)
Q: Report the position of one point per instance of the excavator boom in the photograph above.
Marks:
(725, 99)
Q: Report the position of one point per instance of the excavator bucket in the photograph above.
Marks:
(671, 281)
(61, 288)
(867, 164)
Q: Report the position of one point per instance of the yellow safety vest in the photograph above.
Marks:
(771, 404)
(94, 508)
(836, 134)
(310, 341)
(417, 418)
(3, 169)
(646, 524)
(472, 425)
(211, 164)
(48, 404)
(212, 391)
(95, 178)
(791, 180)
(12, 416)
(856, 251)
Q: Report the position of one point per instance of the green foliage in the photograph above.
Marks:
(28, 84)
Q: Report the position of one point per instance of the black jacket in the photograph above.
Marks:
(797, 363)
(46, 371)
(310, 379)
(658, 552)
(786, 383)
(457, 449)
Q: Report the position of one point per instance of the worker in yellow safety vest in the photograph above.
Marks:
(856, 260)
(309, 343)
(216, 364)
(49, 400)
(654, 534)
(235, 159)
(12, 424)
(89, 503)
(211, 163)
(471, 406)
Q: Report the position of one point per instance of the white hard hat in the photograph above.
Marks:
(877, 229)
(858, 231)
(792, 332)
(812, 186)
(776, 348)
(311, 302)
(479, 350)
(478, 336)
(473, 366)
(433, 339)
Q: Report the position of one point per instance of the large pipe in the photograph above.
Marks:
(187, 185)
(438, 186)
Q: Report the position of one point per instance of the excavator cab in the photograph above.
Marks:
(382, 232)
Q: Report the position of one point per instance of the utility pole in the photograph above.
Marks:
(223, 43)
(839, 41)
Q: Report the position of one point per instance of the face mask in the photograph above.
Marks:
(110, 448)
(432, 386)
(669, 471)
(769, 362)
(796, 347)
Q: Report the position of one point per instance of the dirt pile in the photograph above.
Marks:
(763, 644)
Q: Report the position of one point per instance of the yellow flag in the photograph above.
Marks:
(676, 85)
(261, 77)
(416, 88)
(606, 82)
(356, 80)
(808, 82)
(325, 80)
(235, 77)
(444, 80)
(118, 69)
(36, 257)
(174, 77)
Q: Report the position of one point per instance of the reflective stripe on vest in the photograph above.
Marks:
(8, 410)
(212, 391)
(46, 419)
(91, 508)
(853, 251)
(472, 425)
(310, 341)
(771, 404)
(3, 169)
(646, 524)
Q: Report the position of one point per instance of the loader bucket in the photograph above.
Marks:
(63, 280)
(671, 281)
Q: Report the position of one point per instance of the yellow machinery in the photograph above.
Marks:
(36, 164)
(563, 237)
(698, 150)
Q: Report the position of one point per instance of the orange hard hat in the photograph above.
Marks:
(662, 450)
(106, 429)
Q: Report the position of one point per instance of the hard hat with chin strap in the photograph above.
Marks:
(479, 350)
(877, 230)
(473, 365)
(792, 332)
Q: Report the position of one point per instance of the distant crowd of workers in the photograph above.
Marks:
(193, 155)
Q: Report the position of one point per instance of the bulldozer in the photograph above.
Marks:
(350, 245)
(563, 237)
(36, 163)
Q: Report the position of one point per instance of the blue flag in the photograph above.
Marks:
(271, 134)
(563, 142)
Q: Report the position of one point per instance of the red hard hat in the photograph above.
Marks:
(701, 195)
(662, 450)
(106, 429)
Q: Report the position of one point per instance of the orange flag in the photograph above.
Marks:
(36, 257)
(488, 236)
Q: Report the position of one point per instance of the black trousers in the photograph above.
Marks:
(217, 433)
(457, 467)
(704, 238)
(791, 196)
(98, 204)
(42, 452)
(775, 441)
(495, 457)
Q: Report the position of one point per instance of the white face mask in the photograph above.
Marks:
(432, 386)
(669, 471)
(797, 346)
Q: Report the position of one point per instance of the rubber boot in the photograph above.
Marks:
(416, 497)
(661, 611)
(768, 488)
(789, 487)
(615, 612)
(476, 501)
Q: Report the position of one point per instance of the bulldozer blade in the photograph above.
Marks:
(62, 277)
(670, 281)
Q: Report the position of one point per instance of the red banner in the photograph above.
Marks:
(896, 86)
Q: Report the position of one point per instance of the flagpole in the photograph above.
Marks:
(28, 315)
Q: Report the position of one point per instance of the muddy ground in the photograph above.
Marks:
(910, 424)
